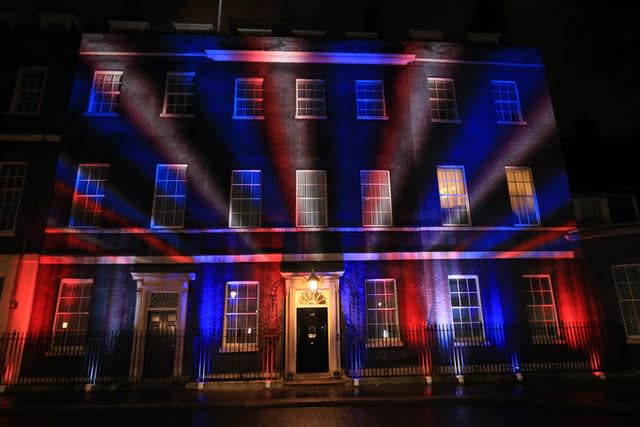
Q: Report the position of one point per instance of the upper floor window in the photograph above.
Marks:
(71, 321)
(12, 178)
(178, 94)
(105, 92)
(370, 103)
(311, 198)
(524, 204)
(376, 198)
(442, 97)
(466, 308)
(541, 306)
(246, 198)
(249, 99)
(27, 97)
(506, 101)
(170, 196)
(454, 202)
(241, 316)
(88, 196)
(382, 312)
(627, 281)
(310, 99)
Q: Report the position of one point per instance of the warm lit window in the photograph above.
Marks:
(246, 198)
(506, 101)
(627, 282)
(241, 317)
(442, 97)
(105, 92)
(376, 198)
(12, 177)
(541, 306)
(454, 202)
(88, 197)
(524, 204)
(311, 198)
(71, 321)
(178, 94)
(170, 196)
(370, 100)
(382, 312)
(466, 309)
(27, 97)
(249, 98)
(310, 101)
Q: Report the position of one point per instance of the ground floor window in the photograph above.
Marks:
(466, 309)
(627, 282)
(541, 306)
(71, 320)
(382, 312)
(241, 316)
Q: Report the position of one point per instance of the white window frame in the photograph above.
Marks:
(11, 196)
(72, 340)
(629, 297)
(300, 199)
(437, 101)
(96, 197)
(157, 196)
(518, 194)
(476, 327)
(247, 345)
(115, 93)
(364, 113)
(301, 100)
(166, 105)
(20, 92)
(450, 190)
(257, 100)
(543, 330)
(513, 105)
(238, 197)
(390, 325)
(374, 202)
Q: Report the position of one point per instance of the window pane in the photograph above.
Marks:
(454, 203)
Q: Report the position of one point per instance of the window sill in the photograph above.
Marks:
(167, 227)
(384, 343)
(542, 340)
(241, 348)
(90, 114)
(311, 117)
(248, 117)
(517, 123)
(446, 121)
(20, 113)
(633, 339)
(373, 118)
(177, 116)
(471, 342)
(66, 351)
(527, 225)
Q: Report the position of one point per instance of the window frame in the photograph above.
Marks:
(540, 334)
(156, 196)
(19, 92)
(97, 215)
(10, 231)
(632, 338)
(438, 100)
(474, 339)
(167, 94)
(533, 197)
(447, 196)
(518, 107)
(394, 323)
(75, 347)
(299, 198)
(114, 107)
(258, 100)
(359, 100)
(235, 347)
(384, 199)
(300, 99)
(232, 198)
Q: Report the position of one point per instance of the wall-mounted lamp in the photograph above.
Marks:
(313, 281)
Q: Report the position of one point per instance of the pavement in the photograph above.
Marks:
(616, 394)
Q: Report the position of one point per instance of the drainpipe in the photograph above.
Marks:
(218, 30)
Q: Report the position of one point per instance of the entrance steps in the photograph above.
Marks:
(314, 380)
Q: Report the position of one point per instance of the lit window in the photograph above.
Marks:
(170, 196)
(524, 205)
(466, 309)
(12, 177)
(246, 198)
(178, 94)
(310, 101)
(88, 196)
(376, 198)
(27, 97)
(241, 317)
(506, 101)
(249, 98)
(541, 306)
(442, 97)
(71, 321)
(627, 282)
(454, 202)
(311, 198)
(382, 313)
(370, 103)
(105, 92)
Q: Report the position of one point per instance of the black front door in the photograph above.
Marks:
(160, 343)
(312, 341)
